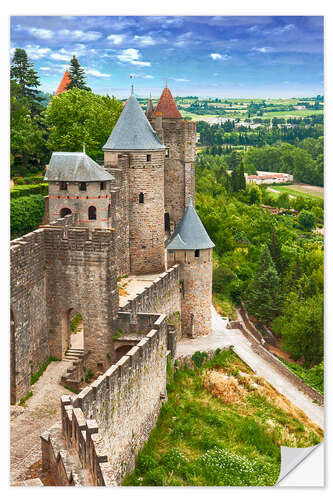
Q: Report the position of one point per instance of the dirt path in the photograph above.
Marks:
(222, 337)
(40, 412)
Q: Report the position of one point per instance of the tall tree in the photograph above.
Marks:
(22, 71)
(77, 116)
(77, 75)
(264, 298)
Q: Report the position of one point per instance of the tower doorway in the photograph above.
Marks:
(76, 338)
(65, 211)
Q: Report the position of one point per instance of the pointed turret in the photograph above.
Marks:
(65, 81)
(190, 233)
(167, 106)
(150, 107)
(191, 248)
(133, 131)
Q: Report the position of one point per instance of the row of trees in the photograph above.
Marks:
(73, 117)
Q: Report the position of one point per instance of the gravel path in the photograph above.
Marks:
(222, 337)
(38, 414)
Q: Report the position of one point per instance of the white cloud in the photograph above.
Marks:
(84, 36)
(283, 29)
(144, 40)
(60, 57)
(96, 73)
(37, 52)
(180, 79)
(132, 56)
(116, 39)
(65, 55)
(220, 57)
(145, 77)
(184, 39)
(41, 33)
(262, 50)
(45, 68)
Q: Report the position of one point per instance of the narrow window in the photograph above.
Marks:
(167, 153)
(65, 211)
(148, 157)
(109, 211)
(92, 213)
(196, 253)
(166, 222)
(63, 186)
(103, 186)
(141, 198)
(83, 186)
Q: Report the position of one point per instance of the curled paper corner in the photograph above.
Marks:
(292, 457)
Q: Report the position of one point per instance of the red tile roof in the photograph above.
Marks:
(167, 106)
(63, 84)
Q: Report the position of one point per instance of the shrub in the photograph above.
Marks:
(26, 190)
(307, 220)
(26, 213)
(18, 181)
(199, 357)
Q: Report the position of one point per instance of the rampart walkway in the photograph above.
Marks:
(222, 337)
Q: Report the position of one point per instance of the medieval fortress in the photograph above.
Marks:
(133, 216)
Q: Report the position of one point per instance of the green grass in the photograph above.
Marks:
(200, 439)
(296, 191)
(75, 323)
(35, 376)
(23, 400)
(312, 376)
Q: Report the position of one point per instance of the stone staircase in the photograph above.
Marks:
(74, 373)
(73, 354)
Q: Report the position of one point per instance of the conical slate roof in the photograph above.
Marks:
(190, 233)
(133, 131)
(75, 167)
(65, 81)
(167, 106)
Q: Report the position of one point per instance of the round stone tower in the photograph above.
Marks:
(191, 247)
(134, 136)
(77, 184)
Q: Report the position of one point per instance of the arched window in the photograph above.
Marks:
(141, 198)
(83, 186)
(109, 211)
(92, 213)
(65, 211)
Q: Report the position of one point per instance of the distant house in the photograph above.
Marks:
(269, 178)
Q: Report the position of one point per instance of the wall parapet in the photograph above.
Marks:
(108, 422)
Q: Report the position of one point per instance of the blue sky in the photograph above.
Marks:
(231, 56)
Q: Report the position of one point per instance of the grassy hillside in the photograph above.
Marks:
(222, 426)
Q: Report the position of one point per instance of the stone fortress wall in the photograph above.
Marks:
(56, 270)
(161, 296)
(108, 422)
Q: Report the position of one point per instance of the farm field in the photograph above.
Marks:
(303, 189)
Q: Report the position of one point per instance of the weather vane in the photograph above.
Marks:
(132, 84)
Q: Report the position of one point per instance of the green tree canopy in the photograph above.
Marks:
(78, 116)
(22, 71)
(307, 220)
(77, 75)
(263, 297)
